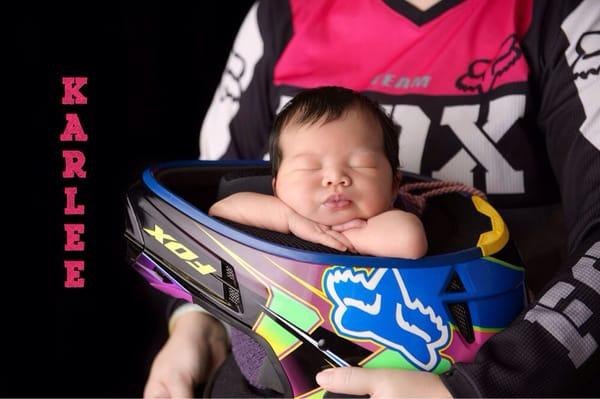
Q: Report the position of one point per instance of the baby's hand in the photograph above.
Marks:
(352, 224)
(318, 233)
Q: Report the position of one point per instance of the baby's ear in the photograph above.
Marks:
(274, 185)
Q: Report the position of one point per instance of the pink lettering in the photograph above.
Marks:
(72, 93)
(74, 231)
(73, 130)
(71, 208)
(74, 161)
(73, 278)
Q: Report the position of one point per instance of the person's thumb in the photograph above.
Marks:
(182, 390)
(348, 380)
(156, 389)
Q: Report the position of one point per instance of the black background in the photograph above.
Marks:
(152, 69)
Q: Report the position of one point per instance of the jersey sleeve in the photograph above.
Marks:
(238, 121)
(552, 348)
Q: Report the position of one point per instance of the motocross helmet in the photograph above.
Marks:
(311, 307)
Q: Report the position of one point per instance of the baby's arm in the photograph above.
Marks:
(269, 212)
(393, 233)
(253, 209)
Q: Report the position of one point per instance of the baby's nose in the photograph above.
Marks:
(334, 178)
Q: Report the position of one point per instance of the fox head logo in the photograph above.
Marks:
(588, 55)
(482, 73)
(379, 307)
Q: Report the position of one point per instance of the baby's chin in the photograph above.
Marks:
(340, 217)
(336, 219)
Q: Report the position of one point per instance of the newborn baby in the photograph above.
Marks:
(335, 177)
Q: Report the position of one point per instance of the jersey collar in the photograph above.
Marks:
(417, 16)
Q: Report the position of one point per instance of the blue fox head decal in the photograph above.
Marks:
(379, 307)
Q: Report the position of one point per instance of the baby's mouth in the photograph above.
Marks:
(337, 201)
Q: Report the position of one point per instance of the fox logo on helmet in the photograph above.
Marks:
(378, 307)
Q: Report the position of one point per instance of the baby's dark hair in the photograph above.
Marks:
(327, 104)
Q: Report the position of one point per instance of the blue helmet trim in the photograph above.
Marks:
(297, 254)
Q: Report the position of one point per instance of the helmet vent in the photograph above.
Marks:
(233, 296)
(455, 284)
(462, 317)
(231, 288)
(229, 273)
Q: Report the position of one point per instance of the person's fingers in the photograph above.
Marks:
(323, 228)
(169, 386)
(177, 367)
(348, 380)
(203, 368)
(219, 352)
(339, 227)
(155, 389)
(329, 240)
(382, 383)
(341, 238)
(352, 224)
(181, 388)
(319, 233)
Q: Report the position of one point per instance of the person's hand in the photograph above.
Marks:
(197, 345)
(382, 383)
(352, 224)
(318, 233)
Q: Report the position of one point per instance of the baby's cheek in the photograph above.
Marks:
(377, 206)
(294, 198)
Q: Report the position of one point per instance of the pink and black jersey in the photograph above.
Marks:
(503, 95)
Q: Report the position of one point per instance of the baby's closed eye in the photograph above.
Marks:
(363, 166)
(363, 161)
(306, 164)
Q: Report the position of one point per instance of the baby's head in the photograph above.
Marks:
(335, 156)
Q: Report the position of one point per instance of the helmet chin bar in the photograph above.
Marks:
(310, 307)
(306, 338)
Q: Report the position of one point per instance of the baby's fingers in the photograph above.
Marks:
(343, 239)
(352, 224)
(329, 240)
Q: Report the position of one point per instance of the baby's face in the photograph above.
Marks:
(335, 172)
